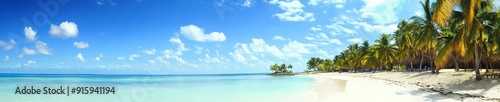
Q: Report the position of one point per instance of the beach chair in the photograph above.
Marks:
(488, 75)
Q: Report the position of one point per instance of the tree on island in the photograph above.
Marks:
(290, 66)
(281, 69)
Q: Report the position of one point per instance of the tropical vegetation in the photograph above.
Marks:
(450, 34)
(281, 69)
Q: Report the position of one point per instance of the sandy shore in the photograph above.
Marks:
(448, 86)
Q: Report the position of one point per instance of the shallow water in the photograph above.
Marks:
(167, 88)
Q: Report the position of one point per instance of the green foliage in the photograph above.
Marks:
(281, 68)
(318, 64)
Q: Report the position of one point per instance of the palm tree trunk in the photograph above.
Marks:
(456, 63)
(431, 61)
(411, 63)
(361, 65)
(487, 66)
(476, 60)
(421, 60)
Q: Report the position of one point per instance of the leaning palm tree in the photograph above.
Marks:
(385, 50)
(446, 41)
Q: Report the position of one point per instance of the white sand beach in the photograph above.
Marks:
(403, 87)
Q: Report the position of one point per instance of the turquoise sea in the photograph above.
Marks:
(159, 88)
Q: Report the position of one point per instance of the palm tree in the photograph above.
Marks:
(426, 39)
(445, 42)
(354, 55)
(282, 68)
(327, 65)
(405, 40)
(385, 50)
(274, 68)
(363, 52)
(312, 64)
(373, 58)
(472, 34)
(290, 67)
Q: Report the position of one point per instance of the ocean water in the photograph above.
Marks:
(159, 88)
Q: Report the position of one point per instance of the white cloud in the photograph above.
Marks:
(247, 3)
(336, 41)
(29, 63)
(149, 52)
(29, 34)
(161, 60)
(175, 54)
(323, 39)
(199, 50)
(29, 51)
(322, 52)
(293, 11)
(384, 11)
(209, 59)
(133, 56)
(43, 48)
(80, 58)
(379, 28)
(81, 45)
(20, 55)
(258, 47)
(338, 29)
(280, 38)
(152, 61)
(309, 38)
(339, 6)
(7, 45)
(316, 28)
(64, 30)
(355, 40)
(326, 2)
(98, 58)
(419, 13)
(180, 60)
(295, 49)
(120, 58)
(313, 2)
(238, 57)
(181, 48)
(253, 57)
(6, 58)
(195, 33)
(354, 10)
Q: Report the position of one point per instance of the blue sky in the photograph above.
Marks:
(186, 36)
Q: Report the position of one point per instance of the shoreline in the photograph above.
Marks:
(424, 86)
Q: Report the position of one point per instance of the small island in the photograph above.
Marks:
(279, 70)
